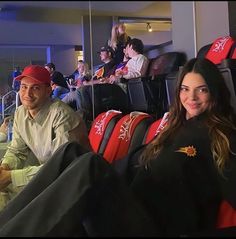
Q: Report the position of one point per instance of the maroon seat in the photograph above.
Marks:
(102, 128)
(155, 128)
(166, 63)
(128, 134)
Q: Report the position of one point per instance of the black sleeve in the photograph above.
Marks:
(228, 179)
(128, 166)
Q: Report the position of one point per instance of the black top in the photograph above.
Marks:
(118, 53)
(59, 79)
(182, 189)
(108, 69)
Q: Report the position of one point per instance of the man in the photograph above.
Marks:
(137, 65)
(105, 70)
(15, 84)
(58, 82)
(41, 126)
(121, 68)
(100, 76)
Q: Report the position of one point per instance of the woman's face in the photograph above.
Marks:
(81, 68)
(121, 29)
(194, 94)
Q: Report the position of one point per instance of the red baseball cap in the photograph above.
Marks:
(36, 73)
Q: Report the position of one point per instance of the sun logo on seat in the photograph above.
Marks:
(189, 150)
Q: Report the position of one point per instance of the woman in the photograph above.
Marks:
(182, 176)
(118, 41)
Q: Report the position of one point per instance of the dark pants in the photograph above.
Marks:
(76, 193)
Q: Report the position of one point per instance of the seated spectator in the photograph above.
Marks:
(107, 69)
(182, 176)
(73, 97)
(137, 65)
(81, 74)
(121, 68)
(58, 82)
(3, 129)
(15, 83)
(41, 125)
(100, 76)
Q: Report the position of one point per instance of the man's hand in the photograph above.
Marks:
(5, 178)
(4, 166)
(113, 79)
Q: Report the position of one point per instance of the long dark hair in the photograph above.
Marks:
(220, 114)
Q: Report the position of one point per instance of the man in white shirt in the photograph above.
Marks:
(137, 65)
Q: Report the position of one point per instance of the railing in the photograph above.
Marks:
(7, 108)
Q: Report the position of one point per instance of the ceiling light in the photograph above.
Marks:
(149, 27)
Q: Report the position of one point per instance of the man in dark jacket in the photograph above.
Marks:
(58, 82)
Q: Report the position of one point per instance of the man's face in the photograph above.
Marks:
(129, 50)
(32, 94)
(104, 56)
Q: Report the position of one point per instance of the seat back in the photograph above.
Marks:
(137, 96)
(146, 95)
(106, 97)
(102, 128)
(155, 128)
(166, 63)
(230, 83)
(155, 88)
(203, 51)
(222, 48)
(226, 215)
(170, 85)
(128, 134)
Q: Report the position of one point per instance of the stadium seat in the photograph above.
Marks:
(128, 134)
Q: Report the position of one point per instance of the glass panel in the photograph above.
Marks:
(18, 56)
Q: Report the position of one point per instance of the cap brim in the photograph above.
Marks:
(20, 77)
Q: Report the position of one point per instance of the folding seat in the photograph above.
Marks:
(155, 128)
(203, 51)
(102, 128)
(166, 63)
(104, 97)
(128, 134)
(220, 49)
(170, 86)
(226, 215)
(222, 52)
(148, 93)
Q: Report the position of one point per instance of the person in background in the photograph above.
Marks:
(121, 68)
(73, 97)
(81, 74)
(137, 65)
(182, 175)
(3, 129)
(41, 125)
(107, 69)
(118, 41)
(16, 84)
(58, 82)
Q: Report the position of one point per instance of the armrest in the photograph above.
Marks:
(228, 63)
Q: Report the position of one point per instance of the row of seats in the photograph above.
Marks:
(114, 134)
(146, 94)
